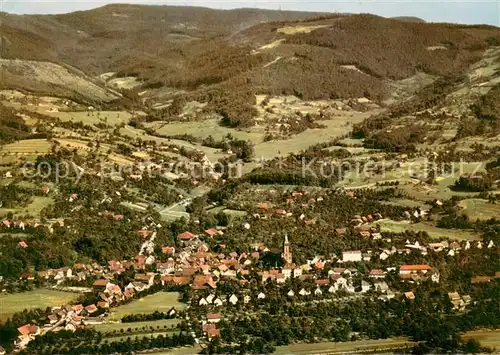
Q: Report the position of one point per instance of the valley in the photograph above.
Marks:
(185, 179)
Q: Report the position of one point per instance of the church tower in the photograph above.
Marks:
(287, 254)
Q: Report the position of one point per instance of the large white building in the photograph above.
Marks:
(352, 255)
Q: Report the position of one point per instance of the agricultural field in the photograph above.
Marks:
(382, 345)
(487, 337)
(433, 231)
(112, 118)
(26, 147)
(110, 327)
(40, 298)
(476, 208)
(121, 338)
(161, 302)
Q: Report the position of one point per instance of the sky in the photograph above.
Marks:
(457, 11)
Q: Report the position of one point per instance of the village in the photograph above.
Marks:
(191, 264)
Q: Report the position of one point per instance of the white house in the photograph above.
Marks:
(233, 299)
(332, 289)
(218, 302)
(291, 293)
(318, 292)
(210, 298)
(261, 296)
(203, 302)
(246, 299)
(303, 292)
(352, 255)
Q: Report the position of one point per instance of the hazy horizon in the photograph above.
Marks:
(465, 12)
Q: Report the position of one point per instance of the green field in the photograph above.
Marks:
(334, 128)
(203, 129)
(406, 203)
(40, 298)
(120, 338)
(38, 203)
(229, 212)
(161, 301)
(112, 118)
(26, 147)
(433, 231)
(109, 327)
(476, 208)
(381, 345)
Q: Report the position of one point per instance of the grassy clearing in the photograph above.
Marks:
(442, 189)
(40, 298)
(161, 301)
(435, 232)
(121, 338)
(26, 147)
(476, 208)
(342, 348)
(334, 128)
(229, 212)
(109, 327)
(291, 30)
(34, 208)
(206, 128)
(406, 203)
(112, 118)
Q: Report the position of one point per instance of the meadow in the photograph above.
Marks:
(112, 118)
(476, 208)
(136, 326)
(34, 208)
(161, 302)
(40, 298)
(371, 346)
(26, 147)
(433, 231)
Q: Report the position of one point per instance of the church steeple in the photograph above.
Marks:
(287, 254)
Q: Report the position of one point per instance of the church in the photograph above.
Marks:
(287, 254)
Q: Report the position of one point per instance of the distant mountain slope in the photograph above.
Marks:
(213, 53)
(94, 40)
(51, 79)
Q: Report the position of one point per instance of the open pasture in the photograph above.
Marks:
(157, 325)
(40, 298)
(433, 231)
(112, 118)
(161, 302)
(476, 208)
